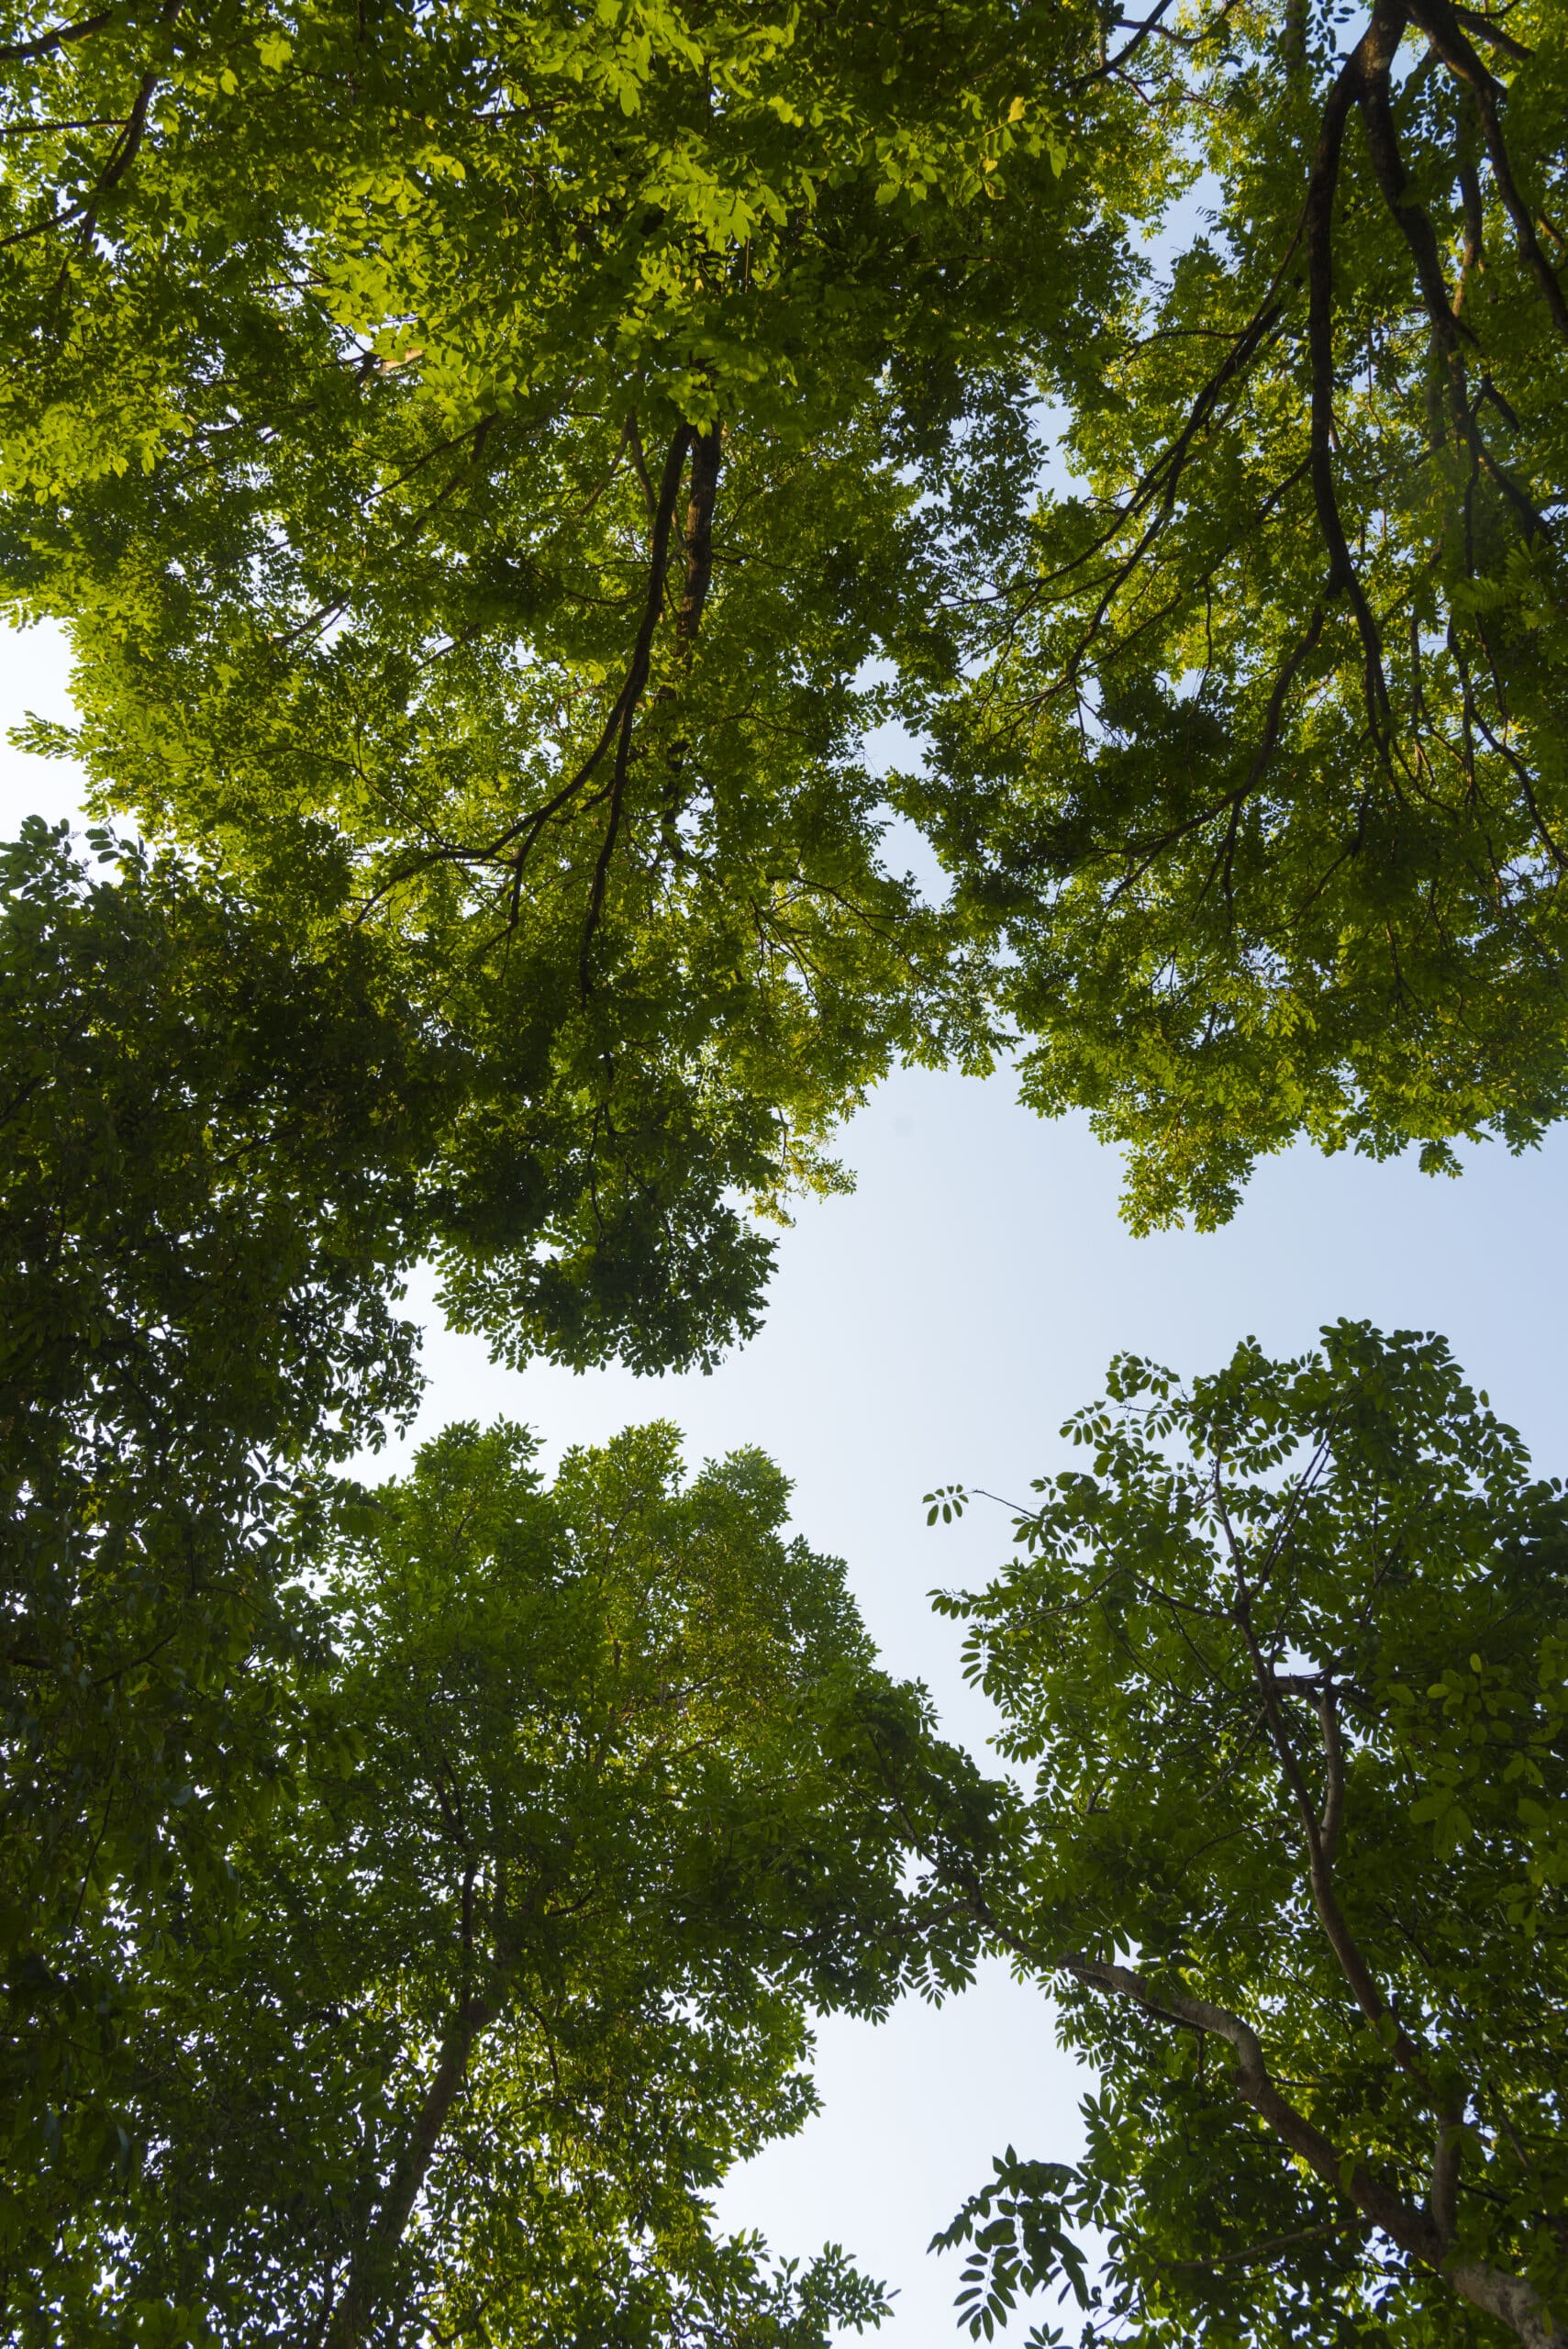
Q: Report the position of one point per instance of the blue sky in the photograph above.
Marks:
(939, 1325)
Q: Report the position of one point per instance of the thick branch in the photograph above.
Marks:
(352, 2315)
(1441, 24)
(1443, 2198)
(1372, 53)
(1416, 227)
(707, 451)
(13, 52)
(1508, 2298)
(1388, 2211)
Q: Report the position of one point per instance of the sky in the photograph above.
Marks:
(939, 1326)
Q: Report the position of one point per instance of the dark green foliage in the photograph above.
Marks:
(586, 1796)
(1289, 1668)
(221, 1151)
(207, 1180)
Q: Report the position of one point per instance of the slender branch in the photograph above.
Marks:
(1113, 65)
(640, 464)
(15, 52)
(1488, 31)
(1375, 48)
(85, 122)
(636, 679)
(1353, 1965)
(1225, 856)
(1334, 1773)
(122, 154)
(707, 454)
(1398, 2220)
(1270, 2248)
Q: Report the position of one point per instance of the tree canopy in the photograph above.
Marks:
(220, 1153)
(496, 464)
(209, 1170)
(1259, 771)
(499, 464)
(473, 451)
(1288, 1669)
(581, 1793)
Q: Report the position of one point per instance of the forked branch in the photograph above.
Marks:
(1512, 2299)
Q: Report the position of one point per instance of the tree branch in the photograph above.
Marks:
(1334, 1771)
(1374, 51)
(122, 154)
(1444, 312)
(1441, 23)
(636, 679)
(15, 52)
(352, 2317)
(1511, 2299)
(706, 452)
(1488, 31)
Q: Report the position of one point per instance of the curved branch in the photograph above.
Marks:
(1374, 51)
(1439, 21)
(1511, 2299)
(635, 680)
(13, 52)
(1488, 31)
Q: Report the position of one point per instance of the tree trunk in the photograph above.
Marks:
(374, 2252)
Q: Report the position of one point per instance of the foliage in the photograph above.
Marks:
(218, 1156)
(475, 450)
(499, 462)
(207, 1163)
(1256, 773)
(585, 1798)
(1289, 1666)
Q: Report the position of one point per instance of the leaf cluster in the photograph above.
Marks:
(584, 1802)
(1285, 1665)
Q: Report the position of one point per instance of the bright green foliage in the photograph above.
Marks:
(497, 463)
(587, 1793)
(477, 449)
(1259, 769)
(1289, 1665)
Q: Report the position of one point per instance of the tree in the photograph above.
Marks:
(475, 452)
(219, 1155)
(1257, 770)
(209, 1155)
(1289, 1668)
(580, 1807)
(483, 455)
